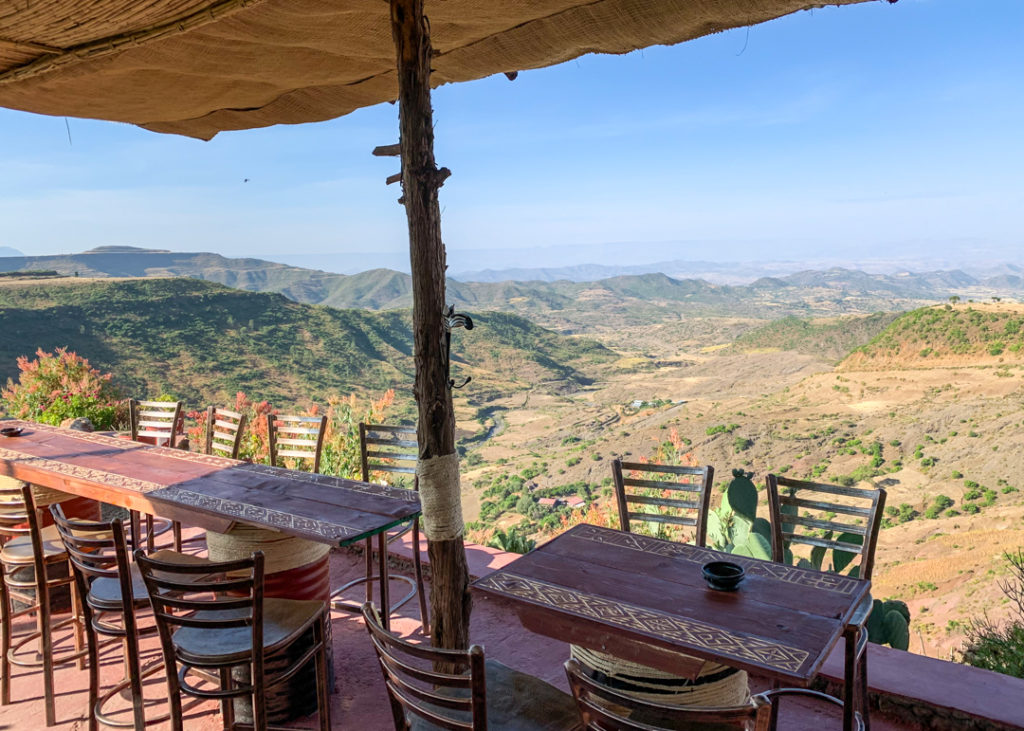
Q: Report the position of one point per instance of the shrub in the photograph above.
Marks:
(940, 504)
(956, 474)
(62, 385)
(1000, 647)
(971, 509)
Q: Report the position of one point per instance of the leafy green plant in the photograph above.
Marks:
(62, 385)
(512, 541)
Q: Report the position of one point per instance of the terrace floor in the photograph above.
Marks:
(359, 699)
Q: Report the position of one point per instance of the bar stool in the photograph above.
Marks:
(214, 620)
(159, 423)
(224, 431)
(296, 437)
(389, 449)
(29, 548)
(112, 592)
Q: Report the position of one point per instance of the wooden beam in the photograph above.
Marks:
(449, 596)
(387, 150)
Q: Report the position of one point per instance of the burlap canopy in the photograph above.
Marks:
(196, 67)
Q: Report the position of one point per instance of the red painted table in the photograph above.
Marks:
(212, 492)
(645, 600)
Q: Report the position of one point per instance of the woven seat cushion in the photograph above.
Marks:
(19, 550)
(515, 702)
(283, 620)
(105, 593)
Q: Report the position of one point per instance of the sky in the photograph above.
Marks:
(869, 133)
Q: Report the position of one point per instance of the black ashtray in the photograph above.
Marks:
(10, 431)
(723, 575)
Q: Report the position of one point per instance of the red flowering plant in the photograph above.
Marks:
(340, 455)
(255, 446)
(341, 440)
(673, 452)
(62, 385)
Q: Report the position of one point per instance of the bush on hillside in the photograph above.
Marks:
(1000, 647)
(62, 385)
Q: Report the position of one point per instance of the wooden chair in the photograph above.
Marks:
(386, 449)
(645, 484)
(159, 423)
(689, 510)
(820, 507)
(213, 617)
(224, 432)
(112, 592)
(297, 437)
(604, 709)
(432, 689)
(850, 518)
(27, 558)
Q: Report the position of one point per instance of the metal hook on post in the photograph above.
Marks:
(451, 321)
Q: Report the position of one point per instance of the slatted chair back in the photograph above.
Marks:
(296, 437)
(454, 698)
(849, 516)
(14, 511)
(224, 431)
(210, 595)
(97, 549)
(605, 709)
(387, 449)
(682, 495)
(157, 420)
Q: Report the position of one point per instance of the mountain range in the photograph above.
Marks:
(565, 304)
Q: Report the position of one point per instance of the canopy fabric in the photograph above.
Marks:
(196, 67)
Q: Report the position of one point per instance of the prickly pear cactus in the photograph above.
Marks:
(734, 526)
(889, 624)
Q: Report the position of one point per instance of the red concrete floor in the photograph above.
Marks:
(359, 700)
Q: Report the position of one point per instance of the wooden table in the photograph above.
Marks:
(645, 600)
(209, 491)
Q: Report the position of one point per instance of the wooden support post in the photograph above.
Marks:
(449, 596)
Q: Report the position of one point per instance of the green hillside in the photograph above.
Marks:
(831, 338)
(968, 332)
(203, 342)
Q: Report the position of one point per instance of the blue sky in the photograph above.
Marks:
(855, 134)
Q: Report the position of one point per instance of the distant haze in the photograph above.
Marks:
(719, 262)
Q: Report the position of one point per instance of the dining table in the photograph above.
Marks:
(646, 601)
(217, 493)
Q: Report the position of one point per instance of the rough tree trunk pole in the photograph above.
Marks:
(438, 462)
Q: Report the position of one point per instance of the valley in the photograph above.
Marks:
(926, 404)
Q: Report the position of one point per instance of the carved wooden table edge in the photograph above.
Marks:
(544, 606)
(175, 500)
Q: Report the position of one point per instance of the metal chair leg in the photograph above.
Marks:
(5, 643)
(418, 568)
(382, 559)
(323, 679)
(850, 636)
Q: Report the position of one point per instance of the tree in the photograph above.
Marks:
(954, 299)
